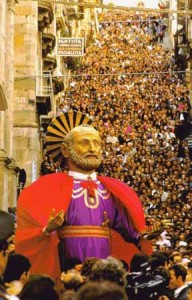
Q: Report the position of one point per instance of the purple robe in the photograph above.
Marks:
(86, 210)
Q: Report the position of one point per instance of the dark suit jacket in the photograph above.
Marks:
(183, 295)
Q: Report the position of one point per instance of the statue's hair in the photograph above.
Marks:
(68, 139)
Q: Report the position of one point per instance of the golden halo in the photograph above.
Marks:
(58, 128)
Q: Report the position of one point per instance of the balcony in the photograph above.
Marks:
(58, 85)
(45, 14)
(48, 43)
(44, 122)
(60, 17)
(50, 62)
(183, 45)
(43, 105)
(81, 10)
(44, 93)
(72, 13)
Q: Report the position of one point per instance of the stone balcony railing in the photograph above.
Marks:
(50, 62)
(48, 43)
(44, 93)
(58, 85)
(60, 17)
(45, 14)
(72, 13)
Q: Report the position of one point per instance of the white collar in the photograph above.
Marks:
(178, 291)
(78, 175)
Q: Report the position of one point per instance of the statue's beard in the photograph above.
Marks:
(84, 162)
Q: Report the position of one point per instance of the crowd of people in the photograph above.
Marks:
(157, 277)
(129, 86)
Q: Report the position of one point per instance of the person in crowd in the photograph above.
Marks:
(83, 226)
(7, 226)
(166, 254)
(158, 259)
(175, 258)
(39, 287)
(72, 263)
(105, 290)
(137, 261)
(87, 266)
(178, 282)
(164, 291)
(109, 269)
(72, 281)
(17, 273)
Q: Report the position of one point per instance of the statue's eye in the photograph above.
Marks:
(97, 143)
(84, 142)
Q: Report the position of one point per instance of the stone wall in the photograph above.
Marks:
(8, 165)
(26, 133)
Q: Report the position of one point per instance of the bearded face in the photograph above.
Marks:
(82, 148)
(87, 161)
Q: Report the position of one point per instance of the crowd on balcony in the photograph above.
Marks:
(129, 86)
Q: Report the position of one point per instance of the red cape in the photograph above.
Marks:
(34, 207)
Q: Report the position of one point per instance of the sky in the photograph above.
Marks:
(148, 3)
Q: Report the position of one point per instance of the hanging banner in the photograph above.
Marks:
(70, 46)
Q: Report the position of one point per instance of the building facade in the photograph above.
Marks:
(181, 32)
(8, 164)
(33, 77)
(32, 80)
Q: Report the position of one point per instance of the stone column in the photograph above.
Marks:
(174, 22)
(2, 133)
(26, 132)
(12, 184)
(3, 99)
(4, 161)
(2, 40)
(9, 61)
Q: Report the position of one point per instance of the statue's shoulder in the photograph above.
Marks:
(47, 182)
(116, 184)
(107, 179)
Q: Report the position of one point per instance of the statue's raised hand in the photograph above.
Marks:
(55, 220)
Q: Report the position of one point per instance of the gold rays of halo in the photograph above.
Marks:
(58, 128)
